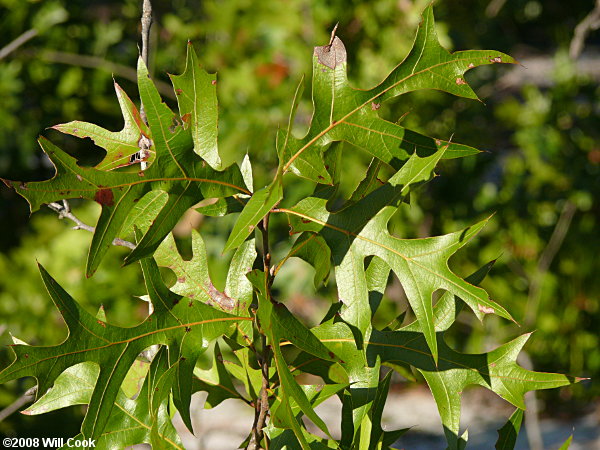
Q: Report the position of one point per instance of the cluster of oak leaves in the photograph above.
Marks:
(182, 167)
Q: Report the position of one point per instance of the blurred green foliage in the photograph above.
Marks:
(543, 161)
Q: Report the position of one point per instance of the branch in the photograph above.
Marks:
(546, 258)
(12, 46)
(262, 403)
(27, 397)
(64, 211)
(95, 62)
(146, 24)
(589, 23)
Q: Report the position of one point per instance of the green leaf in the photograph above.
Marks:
(342, 113)
(196, 92)
(507, 435)
(312, 248)
(193, 279)
(421, 264)
(115, 349)
(567, 443)
(378, 436)
(72, 387)
(216, 381)
(120, 146)
(177, 170)
(277, 323)
(496, 370)
(132, 421)
(259, 205)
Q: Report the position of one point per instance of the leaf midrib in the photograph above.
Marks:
(125, 341)
(359, 107)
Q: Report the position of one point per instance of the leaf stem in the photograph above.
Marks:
(27, 397)
(64, 212)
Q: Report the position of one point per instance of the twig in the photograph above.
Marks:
(589, 23)
(12, 46)
(546, 258)
(262, 403)
(27, 397)
(146, 24)
(64, 212)
(95, 62)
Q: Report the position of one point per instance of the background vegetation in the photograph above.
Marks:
(540, 124)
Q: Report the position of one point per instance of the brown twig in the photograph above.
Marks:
(64, 212)
(262, 403)
(146, 24)
(591, 22)
(27, 397)
(95, 62)
(13, 45)
(546, 258)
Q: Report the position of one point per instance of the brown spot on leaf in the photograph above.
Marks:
(175, 122)
(331, 355)
(181, 280)
(471, 65)
(438, 142)
(460, 81)
(305, 221)
(186, 117)
(375, 106)
(497, 59)
(251, 228)
(333, 54)
(188, 329)
(79, 177)
(105, 197)
(190, 303)
(485, 309)
(26, 355)
(101, 323)
(178, 91)
(23, 185)
(141, 173)
(320, 177)
(213, 82)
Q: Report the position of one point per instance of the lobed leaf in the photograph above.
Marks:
(342, 113)
(114, 349)
(176, 170)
